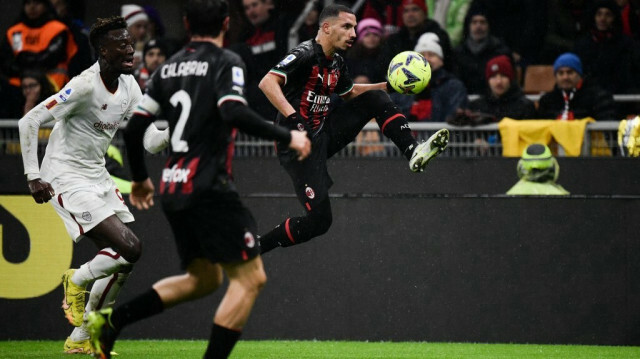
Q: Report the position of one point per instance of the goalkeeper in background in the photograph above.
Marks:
(300, 87)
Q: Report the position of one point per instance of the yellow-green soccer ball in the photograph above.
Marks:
(409, 72)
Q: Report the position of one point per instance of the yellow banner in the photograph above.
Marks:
(50, 250)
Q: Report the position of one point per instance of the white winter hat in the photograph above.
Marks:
(133, 13)
(429, 42)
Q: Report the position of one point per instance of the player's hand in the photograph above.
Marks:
(41, 191)
(294, 122)
(141, 195)
(300, 143)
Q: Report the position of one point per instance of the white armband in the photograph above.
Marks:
(155, 140)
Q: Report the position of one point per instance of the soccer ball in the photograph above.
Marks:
(409, 72)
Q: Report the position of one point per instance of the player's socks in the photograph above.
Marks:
(395, 126)
(271, 240)
(143, 306)
(105, 291)
(105, 263)
(221, 342)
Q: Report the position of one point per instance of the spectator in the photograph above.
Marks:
(154, 54)
(38, 41)
(572, 97)
(137, 22)
(36, 87)
(630, 13)
(521, 25)
(71, 13)
(445, 92)
(450, 15)
(503, 99)
(414, 23)
(155, 25)
(538, 171)
(309, 28)
(565, 23)
(387, 12)
(476, 49)
(263, 46)
(610, 58)
(363, 59)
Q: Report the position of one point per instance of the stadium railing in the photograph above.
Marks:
(481, 141)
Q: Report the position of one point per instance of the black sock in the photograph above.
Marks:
(221, 342)
(272, 239)
(143, 306)
(395, 126)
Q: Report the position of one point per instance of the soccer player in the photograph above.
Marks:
(300, 87)
(88, 112)
(200, 92)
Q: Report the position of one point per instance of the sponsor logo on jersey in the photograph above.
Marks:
(183, 69)
(175, 174)
(319, 103)
(124, 104)
(237, 76)
(86, 216)
(287, 60)
(310, 193)
(106, 126)
(51, 104)
(249, 240)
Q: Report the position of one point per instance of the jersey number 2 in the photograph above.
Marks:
(181, 97)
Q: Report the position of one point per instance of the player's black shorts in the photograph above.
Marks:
(311, 180)
(218, 227)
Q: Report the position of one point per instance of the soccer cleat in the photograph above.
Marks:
(425, 151)
(81, 347)
(103, 335)
(73, 301)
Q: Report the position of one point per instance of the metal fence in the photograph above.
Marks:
(600, 140)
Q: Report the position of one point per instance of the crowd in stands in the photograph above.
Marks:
(480, 47)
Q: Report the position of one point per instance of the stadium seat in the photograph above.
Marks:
(538, 78)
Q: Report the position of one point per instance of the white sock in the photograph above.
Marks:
(103, 294)
(105, 263)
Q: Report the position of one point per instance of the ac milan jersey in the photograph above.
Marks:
(188, 90)
(310, 78)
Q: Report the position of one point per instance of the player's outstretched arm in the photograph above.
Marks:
(142, 189)
(41, 191)
(246, 120)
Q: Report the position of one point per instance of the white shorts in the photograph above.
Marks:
(83, 208)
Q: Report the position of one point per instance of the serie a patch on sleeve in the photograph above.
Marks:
(51, 104)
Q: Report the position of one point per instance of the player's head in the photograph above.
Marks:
(338, 25)
(537, 164)
(206, 17)
(113, 44)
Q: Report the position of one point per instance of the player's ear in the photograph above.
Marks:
(225, 24)
(325, 27)
(185, 22)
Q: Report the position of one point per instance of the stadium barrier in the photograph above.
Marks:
(600, 139)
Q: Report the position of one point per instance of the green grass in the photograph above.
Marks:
(178, 349)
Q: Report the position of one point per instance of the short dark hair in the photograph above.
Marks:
(102, 27)
(332, 11)
(205, 17)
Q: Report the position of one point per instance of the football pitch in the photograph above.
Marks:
(178, 349)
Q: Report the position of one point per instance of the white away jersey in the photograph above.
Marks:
(87, 117)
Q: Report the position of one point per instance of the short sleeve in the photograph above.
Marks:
(230, 85)
(64, 103)
(345, 84)
(288, 65)
(136, 97)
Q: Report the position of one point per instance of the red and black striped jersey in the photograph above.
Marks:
(188, 91)
(310, 78)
